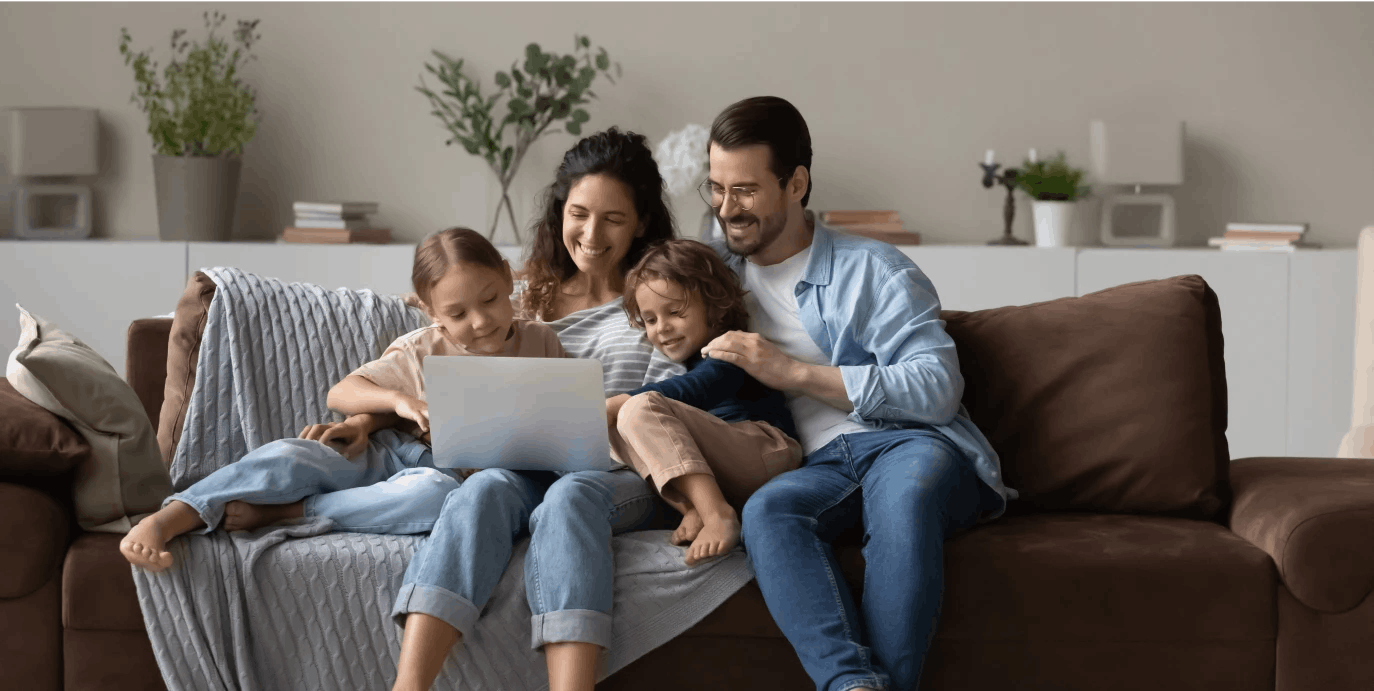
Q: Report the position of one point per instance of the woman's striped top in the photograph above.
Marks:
(604, 333)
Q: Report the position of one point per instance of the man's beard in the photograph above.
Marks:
(768, 230)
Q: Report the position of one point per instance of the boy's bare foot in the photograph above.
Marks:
(719, 534)
(240, 515)
(146, 543)
(689, 528)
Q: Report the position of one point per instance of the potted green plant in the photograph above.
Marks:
(1054, 187)
(545, 89)
(200, 116)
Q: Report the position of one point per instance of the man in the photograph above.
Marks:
(850, 329)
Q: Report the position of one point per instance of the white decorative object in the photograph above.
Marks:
(1031, 155)
(682, 158)
(1053, 222)
(1137, 152)
(987, 158)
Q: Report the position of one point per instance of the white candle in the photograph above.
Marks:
(987, 158)
(1032, 155)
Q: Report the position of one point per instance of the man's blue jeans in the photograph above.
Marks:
(569, 567)
(912, 489)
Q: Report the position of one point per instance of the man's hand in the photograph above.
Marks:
(613, 405)
(349, 439)
(757, 356)
(413, 409)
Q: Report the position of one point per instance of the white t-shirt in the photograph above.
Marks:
(773, 314)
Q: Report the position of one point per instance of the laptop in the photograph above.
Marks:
(517, 413)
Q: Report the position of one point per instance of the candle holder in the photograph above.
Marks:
(1008, 179)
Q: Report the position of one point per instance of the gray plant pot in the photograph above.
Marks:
(197, 196)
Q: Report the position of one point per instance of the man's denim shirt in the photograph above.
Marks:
(877, 317)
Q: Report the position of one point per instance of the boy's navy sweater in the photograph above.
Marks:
(727, 392)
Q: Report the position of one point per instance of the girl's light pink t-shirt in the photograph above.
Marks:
(400, 368)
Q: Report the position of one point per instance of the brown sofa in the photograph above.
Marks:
(1139, 557)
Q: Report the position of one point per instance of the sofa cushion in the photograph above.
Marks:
(33, 441)
(183, 350)
(1094, 577)
(32, 541)
(123, 477)
(1112, 402)
(98, 587)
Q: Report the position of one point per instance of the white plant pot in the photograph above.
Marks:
(1053, 223)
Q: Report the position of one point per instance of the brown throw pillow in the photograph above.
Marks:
(1112, 402)
(183, 349)
(33, 441)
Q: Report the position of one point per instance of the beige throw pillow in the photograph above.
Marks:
(123, 479)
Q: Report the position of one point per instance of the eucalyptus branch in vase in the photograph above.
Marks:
(546, 89)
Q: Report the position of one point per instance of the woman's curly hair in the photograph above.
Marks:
(624, 156)
(701, 274)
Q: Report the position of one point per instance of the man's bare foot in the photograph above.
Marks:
(146, 543)
(719, 534)
(240, 515)
(689, 528)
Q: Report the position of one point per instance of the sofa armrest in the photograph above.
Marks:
(146, 362)
(1315, 518)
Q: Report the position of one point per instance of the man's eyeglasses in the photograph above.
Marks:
(714, 195)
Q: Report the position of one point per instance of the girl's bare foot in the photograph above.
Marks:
(240, 515)
(719, 534)
(146, 543)
(688, 529)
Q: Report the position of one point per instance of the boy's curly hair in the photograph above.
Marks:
(701, 273)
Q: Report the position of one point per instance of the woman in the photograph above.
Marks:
(603, 210)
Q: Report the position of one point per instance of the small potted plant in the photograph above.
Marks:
(1054, 188)
(200, 116)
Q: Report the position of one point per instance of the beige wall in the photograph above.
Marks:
(902, 99)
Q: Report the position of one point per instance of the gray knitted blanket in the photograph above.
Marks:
(299, 607)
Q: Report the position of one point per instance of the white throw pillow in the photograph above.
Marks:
(124, 478)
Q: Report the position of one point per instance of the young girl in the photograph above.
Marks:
(710, 437)
(465, 286)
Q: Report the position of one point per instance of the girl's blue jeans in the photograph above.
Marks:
(391, 488)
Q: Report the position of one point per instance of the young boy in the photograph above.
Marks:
(710, 437)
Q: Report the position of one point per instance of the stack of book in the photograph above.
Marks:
(1263, 237)
(335, 223)
(879, 225)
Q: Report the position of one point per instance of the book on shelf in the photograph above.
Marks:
(340, 208)
(317, 216)
(845, 217)
(336, 223)
(1267, 227)
(337, 236)
(1240, 245)
(874, 227)
(894, 237)
(1254, 235)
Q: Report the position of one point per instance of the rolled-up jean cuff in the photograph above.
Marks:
(445, 605)
(211, 522)
(570, 626)
(876, 683)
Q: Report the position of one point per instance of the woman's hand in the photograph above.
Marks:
(613, 405)
(348, 438)
(415, 410)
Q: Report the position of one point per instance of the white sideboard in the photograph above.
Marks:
(1288, 320)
